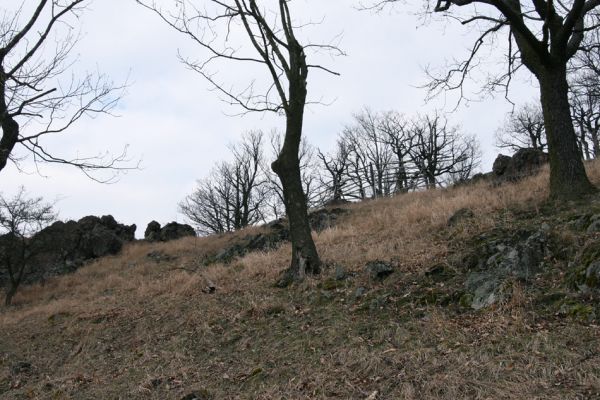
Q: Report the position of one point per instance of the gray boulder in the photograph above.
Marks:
(98, 242)
(171, 231)
(175, 230)
(379, 270)
(324, 218)
(459, 216)
(501, 164)
(523, 163)
(503, 262)
(152, 232)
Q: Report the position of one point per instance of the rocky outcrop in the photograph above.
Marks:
(171, 231)
(275, 233)
(64, 246)
(324, 218)
(499, 262)
(523, 163)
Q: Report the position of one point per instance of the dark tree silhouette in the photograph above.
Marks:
(543, 36)
(399, 138)
(234, 195)
(524, 128)
(270, 35)
(21, 218)
(585, 109)
(371, 156)
(39, 94)
(335, 165)
(438, 150)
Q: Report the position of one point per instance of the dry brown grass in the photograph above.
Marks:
(129, 327)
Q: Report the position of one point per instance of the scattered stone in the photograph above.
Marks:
(579, 223)
(359, 292)
(592, 275)
(210, 288)
(439, 273)
(340, 273)
(594, 226)
(459, 216)
(160, 256)
(379, 270)
(21, 367)
(198, 395)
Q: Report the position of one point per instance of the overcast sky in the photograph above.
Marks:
(179, 129)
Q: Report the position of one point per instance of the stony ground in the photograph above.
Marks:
(170, 327)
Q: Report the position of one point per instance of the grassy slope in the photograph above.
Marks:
(127, 327)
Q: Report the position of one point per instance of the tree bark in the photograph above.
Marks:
(12, 290)
(10, 127)
(305, 259)
(568, 179)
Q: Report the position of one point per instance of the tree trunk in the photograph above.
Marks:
(595, 142)
(10, 135)
(305, 259)
(568, 179)
(12, 290)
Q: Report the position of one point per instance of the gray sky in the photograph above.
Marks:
(179, 128)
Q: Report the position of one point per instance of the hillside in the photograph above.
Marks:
(156, 322)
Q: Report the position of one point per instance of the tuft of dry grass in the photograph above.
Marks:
(130, 327)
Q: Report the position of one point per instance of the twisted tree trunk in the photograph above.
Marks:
(568, 179)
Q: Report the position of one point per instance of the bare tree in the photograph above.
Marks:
(273, 44)
(467, 161)
(399, 137)
(371, 156)
(39, 93)
(235, 194)
(543, 36)
(585, 109)
(439, 151)
(21, 218)
(335, 165)
(524, 128)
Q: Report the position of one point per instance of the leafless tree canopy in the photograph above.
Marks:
(20, 218)
(584, 84)
(40, 94)
(523, 128)
(236, 193)
(389, 153)
(245, 31)
(543, 36)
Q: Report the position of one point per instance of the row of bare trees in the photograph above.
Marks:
(244, 190)
(379, 154)
(547, 38)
